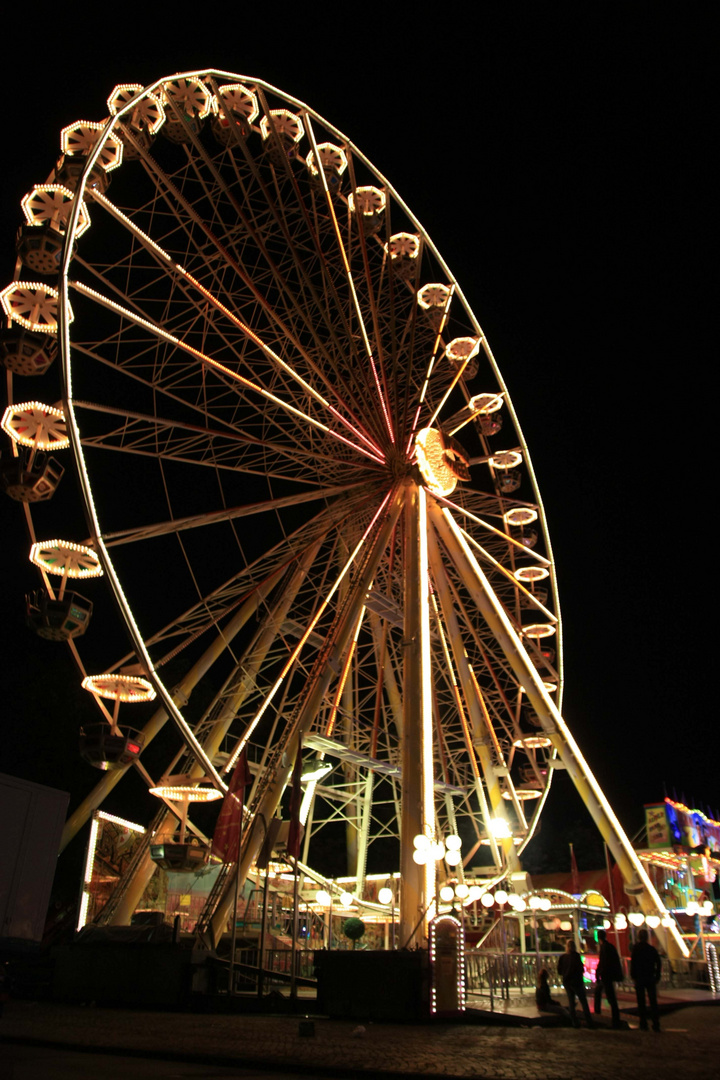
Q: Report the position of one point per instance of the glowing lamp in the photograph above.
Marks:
(367, 201)
(545, 904)
(65, 558)
(186, 793)
(506, 459)
(462, 891)
(636, 918)
(32, 424)
(566, 924)
(420, 856)
(438, 850)
(435, 295)
(620, 922)
(446, 893)
(520, 515)
(500, 828)
(531, 573)
(707, 908)
(421, 842)
(315, 769)
(535, 903)
(285, 123)
(453, 842)
(385, 895)
(322, 896)
(501, 897)
(119, 687)
(487, 899)
(346, 899)
(539, 630)
(653, 921)
(606, 924)
(452, 858)
(475, 892)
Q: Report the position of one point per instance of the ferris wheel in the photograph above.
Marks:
(304, 482)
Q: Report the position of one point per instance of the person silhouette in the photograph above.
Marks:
(570, 970)
(645, 970)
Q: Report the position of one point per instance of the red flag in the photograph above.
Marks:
(226, 838)
(295, 832)
(575, 887)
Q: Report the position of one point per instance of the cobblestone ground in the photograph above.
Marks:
(688, 1046)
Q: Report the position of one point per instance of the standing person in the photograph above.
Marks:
(570, 970)
(645, 969)
(609, 971)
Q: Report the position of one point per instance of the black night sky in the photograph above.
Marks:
(557, 161)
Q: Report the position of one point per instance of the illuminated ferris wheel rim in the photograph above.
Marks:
(77, 224)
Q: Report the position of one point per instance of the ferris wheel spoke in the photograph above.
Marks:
(286, 291)
(164, 528)
(212, 608)
(289, 369)
(250, 279)
(320, 610)
(379, 388)
(192, 444)
(222, 369)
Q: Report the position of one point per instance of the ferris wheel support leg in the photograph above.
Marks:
(632, 870)
(418, 796)
(270, 799)
(100, 792)
(506, 854)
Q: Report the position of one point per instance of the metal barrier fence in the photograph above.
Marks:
(496, 974)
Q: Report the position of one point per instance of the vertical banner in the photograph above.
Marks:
(226, 838)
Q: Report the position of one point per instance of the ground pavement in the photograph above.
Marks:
(688, 1046)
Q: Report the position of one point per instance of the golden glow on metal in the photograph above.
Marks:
(65, 558)
(520, 515)
(33, 305)
(433, 466)
(186, 793)
(298, 648)
(51, 204)
(462, 349)
(286, 124)
(367, 200)
(234, 375)
(119, 687)
(532, 742)
(428, 788)
(485, 404)
(333, 159)
(33, 424)
(506, 459)
(147, 115)
(539, 630)
(523, 794)
(531, 573)
(433, 296)
(190, 96)
(122, 822)
(236, 98)
(80, 138)
(403, 245)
